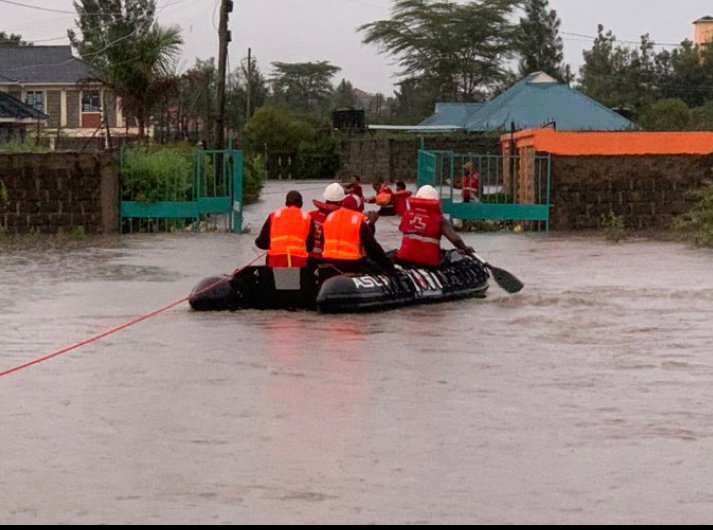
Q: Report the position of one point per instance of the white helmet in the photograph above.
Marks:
(428, 192)
(334, 193)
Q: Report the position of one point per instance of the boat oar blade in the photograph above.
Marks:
(506, 280)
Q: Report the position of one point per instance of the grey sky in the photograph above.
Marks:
(310, 30)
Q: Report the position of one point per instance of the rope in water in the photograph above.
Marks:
(122, 327)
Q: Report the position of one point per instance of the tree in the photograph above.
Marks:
(539, 43)
(197, 103)
(247, 79)
(11, 39)
(132, 54)
(304, 87)
(702, 117)
(686, 73)
(344, 97)
(667, 115)
(276, 131)
(619, 76)
(460, 49)
(414, 101)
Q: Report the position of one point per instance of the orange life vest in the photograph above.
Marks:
(422, 229)
(342, 238)
(289, 230)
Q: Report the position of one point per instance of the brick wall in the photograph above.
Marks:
(375, 157)
(647, 191)
(58, 192)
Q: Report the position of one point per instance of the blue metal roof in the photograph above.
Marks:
(532, 102)
(539, 100)
(452, 114)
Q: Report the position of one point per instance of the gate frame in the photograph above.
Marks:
(231, 204)
(431, 172)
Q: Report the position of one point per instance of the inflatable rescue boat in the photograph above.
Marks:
(324, 289)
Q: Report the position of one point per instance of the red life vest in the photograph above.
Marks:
(400, 200)
(342, 235)
(319, 217)
(354, 202)
(471, 184)
(289, 230)
(422, 229)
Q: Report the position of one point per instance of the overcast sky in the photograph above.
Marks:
(313, 30)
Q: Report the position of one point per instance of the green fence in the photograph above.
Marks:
(163, 190)
(510, 188)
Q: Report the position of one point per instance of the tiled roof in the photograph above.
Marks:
(43, 65)
(12, 109)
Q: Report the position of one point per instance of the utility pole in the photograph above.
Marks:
(226, 8)
(249, 85)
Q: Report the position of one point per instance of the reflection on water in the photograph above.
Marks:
(586, 397)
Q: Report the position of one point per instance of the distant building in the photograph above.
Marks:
(703, 30)
(16, 118)
(538, 100)
(54, 82)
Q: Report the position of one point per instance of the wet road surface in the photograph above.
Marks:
(588, 398)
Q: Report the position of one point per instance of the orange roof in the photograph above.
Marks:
(614, 143)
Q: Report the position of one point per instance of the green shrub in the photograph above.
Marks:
(700, 219)
(614, 227)
(78, 234)
(28, 146)
(317, 159)
(151, 175)
(254, 173)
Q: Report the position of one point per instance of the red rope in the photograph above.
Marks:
(124, 326)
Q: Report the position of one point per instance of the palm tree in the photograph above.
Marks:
(140, 71)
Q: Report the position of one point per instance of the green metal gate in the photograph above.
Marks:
(175, 195)
(511, 188)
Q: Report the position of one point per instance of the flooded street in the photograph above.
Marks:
(586, 398)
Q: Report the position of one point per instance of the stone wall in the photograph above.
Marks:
(376, 157)
(59, 192)
(647, 191)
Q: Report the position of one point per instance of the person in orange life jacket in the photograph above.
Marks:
(333, 196)
(349, 242)
(383, 198)
(470, 182)
(400, 198)
(288, 234)
(423, 225)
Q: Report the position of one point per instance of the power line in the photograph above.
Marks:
(623, 41)
(37, 7)
(73, 13)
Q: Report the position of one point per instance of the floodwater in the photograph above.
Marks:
(588, 398)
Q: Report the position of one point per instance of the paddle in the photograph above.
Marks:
(504, 279)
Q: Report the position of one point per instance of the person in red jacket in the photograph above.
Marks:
(333, 196)
(400, 198)
(423, 226)
(470, 183)
(354, 199)
(288, 234)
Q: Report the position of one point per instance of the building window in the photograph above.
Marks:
(91, 101)
(36, 100)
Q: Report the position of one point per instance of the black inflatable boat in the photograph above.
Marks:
(323, 289)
